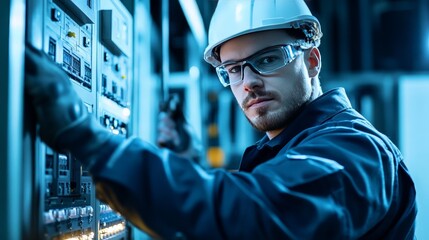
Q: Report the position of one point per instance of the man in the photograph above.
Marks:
(321, 172)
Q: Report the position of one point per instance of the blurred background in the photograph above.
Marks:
(126, 57)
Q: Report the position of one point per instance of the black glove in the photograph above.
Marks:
(173, 107)
(175, 133)
(65, 124)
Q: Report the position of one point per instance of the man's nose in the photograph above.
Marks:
(251, 78)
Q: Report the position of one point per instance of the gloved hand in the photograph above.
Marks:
(65, 124)
(176, 134)
(56, 103)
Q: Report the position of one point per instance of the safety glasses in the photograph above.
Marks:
(262, 62)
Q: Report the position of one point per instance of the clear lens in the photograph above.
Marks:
(223, 76)
(269, 61)
(263, 62)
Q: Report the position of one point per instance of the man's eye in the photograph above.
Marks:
(268, 60)
(234, 69)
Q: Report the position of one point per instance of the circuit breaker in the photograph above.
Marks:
(92, 42)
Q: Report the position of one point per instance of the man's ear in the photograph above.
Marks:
(314, 62)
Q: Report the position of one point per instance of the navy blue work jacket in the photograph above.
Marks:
(329, 175)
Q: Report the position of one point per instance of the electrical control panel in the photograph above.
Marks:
(92, 41)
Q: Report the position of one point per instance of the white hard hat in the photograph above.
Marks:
(233, 18)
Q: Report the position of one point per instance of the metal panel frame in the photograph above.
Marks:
(11, 86)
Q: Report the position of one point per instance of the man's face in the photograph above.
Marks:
(270, 100)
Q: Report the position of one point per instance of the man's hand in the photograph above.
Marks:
(65, 124)
(50, 91)
(169, 136)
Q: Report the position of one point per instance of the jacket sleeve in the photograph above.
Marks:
(293, 196)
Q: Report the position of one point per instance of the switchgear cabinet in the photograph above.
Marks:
(92, 41)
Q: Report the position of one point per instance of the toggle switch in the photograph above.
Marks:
(55, 15)
(86, 42)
